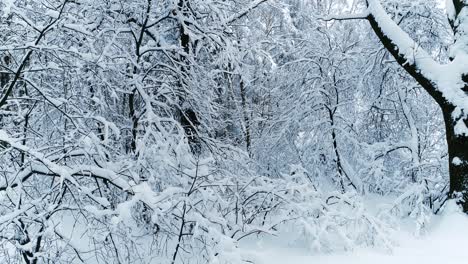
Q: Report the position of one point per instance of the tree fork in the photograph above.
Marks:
(457, 141)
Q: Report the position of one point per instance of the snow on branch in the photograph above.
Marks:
(443, 82)
(407, 48)
(399, 43)
(244, 12)
(48, 167)
(451, 11)
(363, 15)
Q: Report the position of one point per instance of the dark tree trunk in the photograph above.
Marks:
(457, 142)
(245, 113)
(187, 117)
(458, 159)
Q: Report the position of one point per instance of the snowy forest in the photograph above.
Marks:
(233, 131)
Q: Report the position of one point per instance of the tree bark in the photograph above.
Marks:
(458, 158)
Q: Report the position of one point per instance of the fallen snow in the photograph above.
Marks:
(445, 242)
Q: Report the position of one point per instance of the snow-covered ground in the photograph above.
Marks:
(446, 241)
